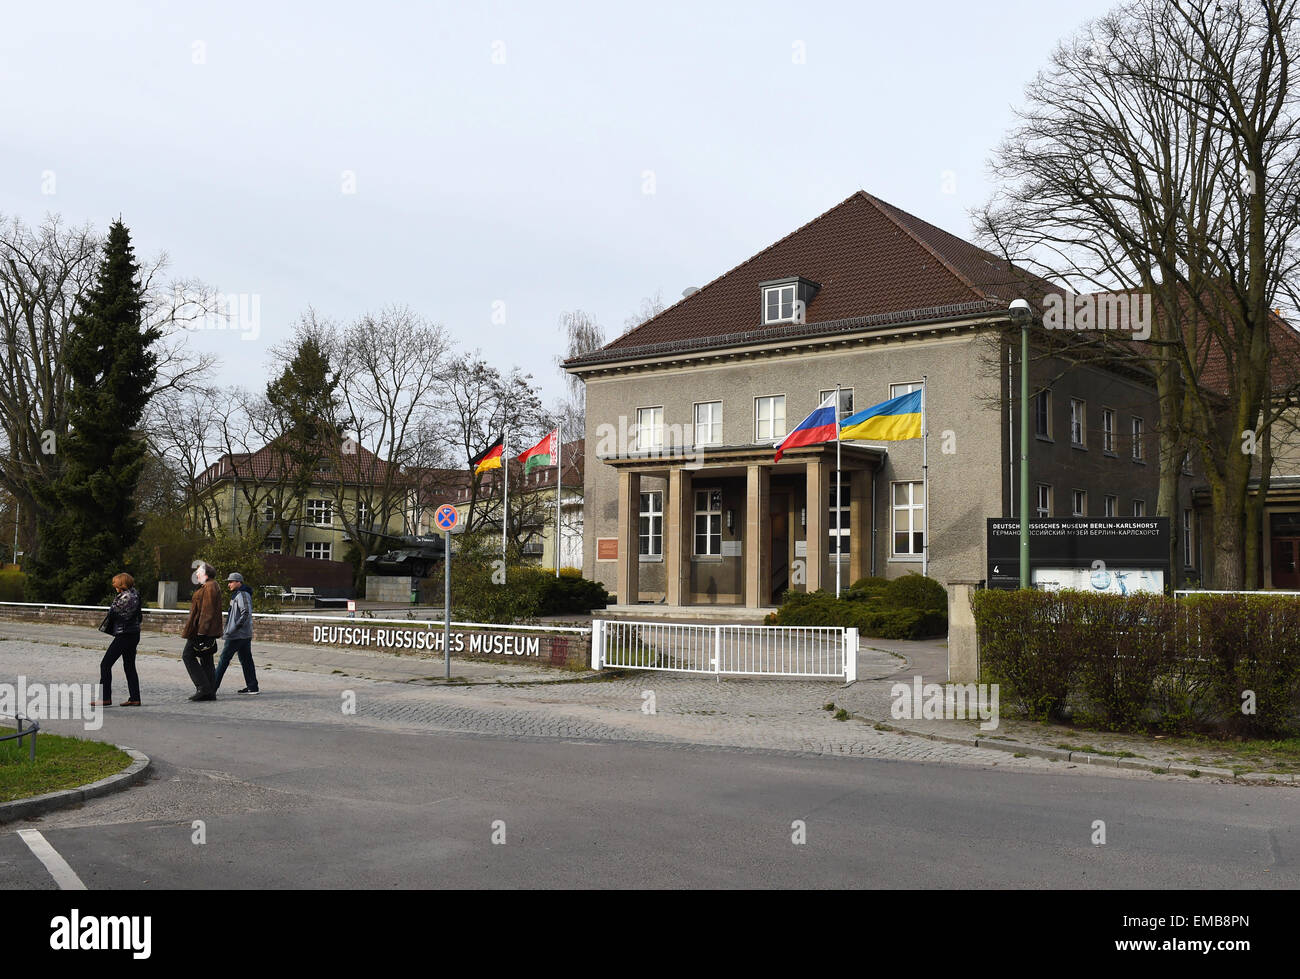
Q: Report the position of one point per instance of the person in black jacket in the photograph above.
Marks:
(125, 617)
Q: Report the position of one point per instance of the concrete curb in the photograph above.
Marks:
(133, 774)
(1083, 757)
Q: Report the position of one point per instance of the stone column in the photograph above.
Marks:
(816, 531)
(758, 536)
(963, 642)
(677, 537)
(860, 535)
(629, 561)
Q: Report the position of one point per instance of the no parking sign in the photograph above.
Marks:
(446, 517)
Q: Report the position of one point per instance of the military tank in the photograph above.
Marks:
(410, 556)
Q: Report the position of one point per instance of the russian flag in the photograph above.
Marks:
(820, 426)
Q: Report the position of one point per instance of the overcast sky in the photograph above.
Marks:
(545, 156)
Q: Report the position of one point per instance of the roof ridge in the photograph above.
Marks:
(718, 278)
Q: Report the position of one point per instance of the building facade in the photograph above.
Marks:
(686, 504)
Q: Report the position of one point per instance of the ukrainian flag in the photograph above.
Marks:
(894, 420)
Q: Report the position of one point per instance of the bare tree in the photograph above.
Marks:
(391, 375)
(45, 273)
(582, 335)
(1157, 155)
(481, 403)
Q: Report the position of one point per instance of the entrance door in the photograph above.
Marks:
(779, 547)
(1286, 563)
(1284, 549)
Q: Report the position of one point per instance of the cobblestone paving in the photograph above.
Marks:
(739, 713)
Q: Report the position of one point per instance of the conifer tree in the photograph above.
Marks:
(88, 519)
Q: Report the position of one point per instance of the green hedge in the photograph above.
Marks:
(875, 606)
(13, 586)
(1145, 661)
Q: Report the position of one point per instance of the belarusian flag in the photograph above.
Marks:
(489, 458)
(544, 453)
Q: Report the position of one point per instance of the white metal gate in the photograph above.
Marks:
(737, 650)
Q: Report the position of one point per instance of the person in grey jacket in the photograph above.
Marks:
(239, 633)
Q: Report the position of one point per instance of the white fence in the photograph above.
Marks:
(736, 650)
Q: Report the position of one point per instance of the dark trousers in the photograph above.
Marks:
(200, 668)
(123, 646)
(244, 647)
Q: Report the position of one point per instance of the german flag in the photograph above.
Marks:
(489, 458)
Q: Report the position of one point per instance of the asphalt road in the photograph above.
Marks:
(300, 804)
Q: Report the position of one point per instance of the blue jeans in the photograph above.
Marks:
(244, 647)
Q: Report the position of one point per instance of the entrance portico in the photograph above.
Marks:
(738, 529)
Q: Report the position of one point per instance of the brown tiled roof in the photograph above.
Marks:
(268, 463)
(874, 263)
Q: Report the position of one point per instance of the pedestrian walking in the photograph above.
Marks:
(123, 624)
(202, 629)
(239, 633)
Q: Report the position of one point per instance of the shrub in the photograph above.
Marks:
(13, 586)
(1022, 649)
(870, 617)
(870, 586)
(1146, 660)
(915, 591)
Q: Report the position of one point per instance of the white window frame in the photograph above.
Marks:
(650, 526)
(771, 400)
(1138, 428)
(906, 387)
(846, 515)
(1041, 509)
(1079, 503)
(1078, 422)
(316, 508)
(365, 516)
(1139, 508)
(1112, 506)
(655, 442)
(793, 303)
(712, 425)
(846, 401)
(1108, 430)
(318, 546)
(272, 546)
(704, 500)
(1187, 538)
(914, 508)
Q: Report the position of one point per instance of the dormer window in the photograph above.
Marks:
(778, 304)
(785, 300)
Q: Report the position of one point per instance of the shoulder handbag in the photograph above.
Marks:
(107, 625)
(204, 645)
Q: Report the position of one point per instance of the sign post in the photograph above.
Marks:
(446, 517)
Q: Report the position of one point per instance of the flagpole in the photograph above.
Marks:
(505, 494)
(559, 480)
(839, 538)
(925, 475)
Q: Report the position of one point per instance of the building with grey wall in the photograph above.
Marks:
(685, 504)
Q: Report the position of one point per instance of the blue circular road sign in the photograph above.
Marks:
(446, 516)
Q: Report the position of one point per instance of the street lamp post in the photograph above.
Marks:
(1022, 314)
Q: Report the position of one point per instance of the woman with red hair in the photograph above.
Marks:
(124, 626)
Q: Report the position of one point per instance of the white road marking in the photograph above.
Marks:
(63, 875)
